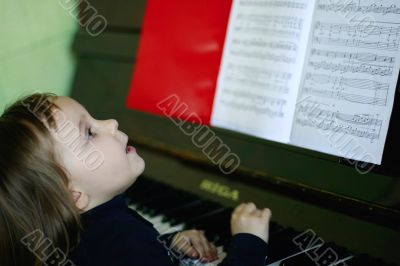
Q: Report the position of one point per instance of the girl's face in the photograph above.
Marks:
(109, 170)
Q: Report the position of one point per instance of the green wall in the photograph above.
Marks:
(35, 48)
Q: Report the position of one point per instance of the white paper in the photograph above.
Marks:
(261, 67)
(349, 79)
(316, 74)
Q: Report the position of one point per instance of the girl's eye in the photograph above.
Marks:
(89, 134)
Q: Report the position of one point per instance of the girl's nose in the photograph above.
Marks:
(113, 125)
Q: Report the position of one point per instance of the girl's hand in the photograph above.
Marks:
(246, 218)
(194, 244)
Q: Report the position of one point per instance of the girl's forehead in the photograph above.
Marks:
(69, 106)
(67, 102)
(71, 111)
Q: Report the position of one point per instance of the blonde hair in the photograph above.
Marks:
(34, 195)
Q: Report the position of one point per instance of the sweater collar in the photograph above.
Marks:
(117, 206)
(118, 202)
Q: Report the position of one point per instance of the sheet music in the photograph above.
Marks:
(261, 67)
(349, 79)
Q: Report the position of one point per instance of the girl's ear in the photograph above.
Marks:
(81, 199)
(76, 195)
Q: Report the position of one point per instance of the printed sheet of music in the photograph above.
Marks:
(319, 74)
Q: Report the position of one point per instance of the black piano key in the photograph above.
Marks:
(205, 216)
(275, 228)
(171, 212)
(302, 259)
(160, 204)
(326, 254)
(365, 260)
(281, 245)
(187, 214)
(216, 225)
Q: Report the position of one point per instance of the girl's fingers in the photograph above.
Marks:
(191, 252)
(266, 213)
(183, 244)
(210, 251)
(194, 244)
(199, 247)
(215, 250)
(249, 207)
(179, 241)
(238, 209)
(257, 213)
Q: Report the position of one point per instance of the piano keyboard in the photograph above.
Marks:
(170, 209)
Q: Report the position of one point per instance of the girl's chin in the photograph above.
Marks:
(132, 181)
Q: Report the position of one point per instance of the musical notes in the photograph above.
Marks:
(375, 45)
(269, 21)
(357, 7)
(256, 84)
(307, 72)
(256, 43)
(359, 125)
(363, 57)
(264, 56)
(350, 75)
(264, 48)
(267, 111)
(258, 74)
(255, 98)
(352, 68)
(241, 77)
(271, 3)
(337, 128)
(364, 84)
(362, 34)
(361, 91)
(341, 95)
(359, 119)
(365, 29)
(281, 26)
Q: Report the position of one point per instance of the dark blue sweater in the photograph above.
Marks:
(115, 235)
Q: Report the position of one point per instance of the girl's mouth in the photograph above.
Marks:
(130, 149)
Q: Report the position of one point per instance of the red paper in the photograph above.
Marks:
(179, 53)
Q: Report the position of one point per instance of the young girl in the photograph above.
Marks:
(62, 180)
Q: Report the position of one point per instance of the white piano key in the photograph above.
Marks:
(157, 221)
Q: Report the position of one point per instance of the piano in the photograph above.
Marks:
(323, 211)
(173, 209)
